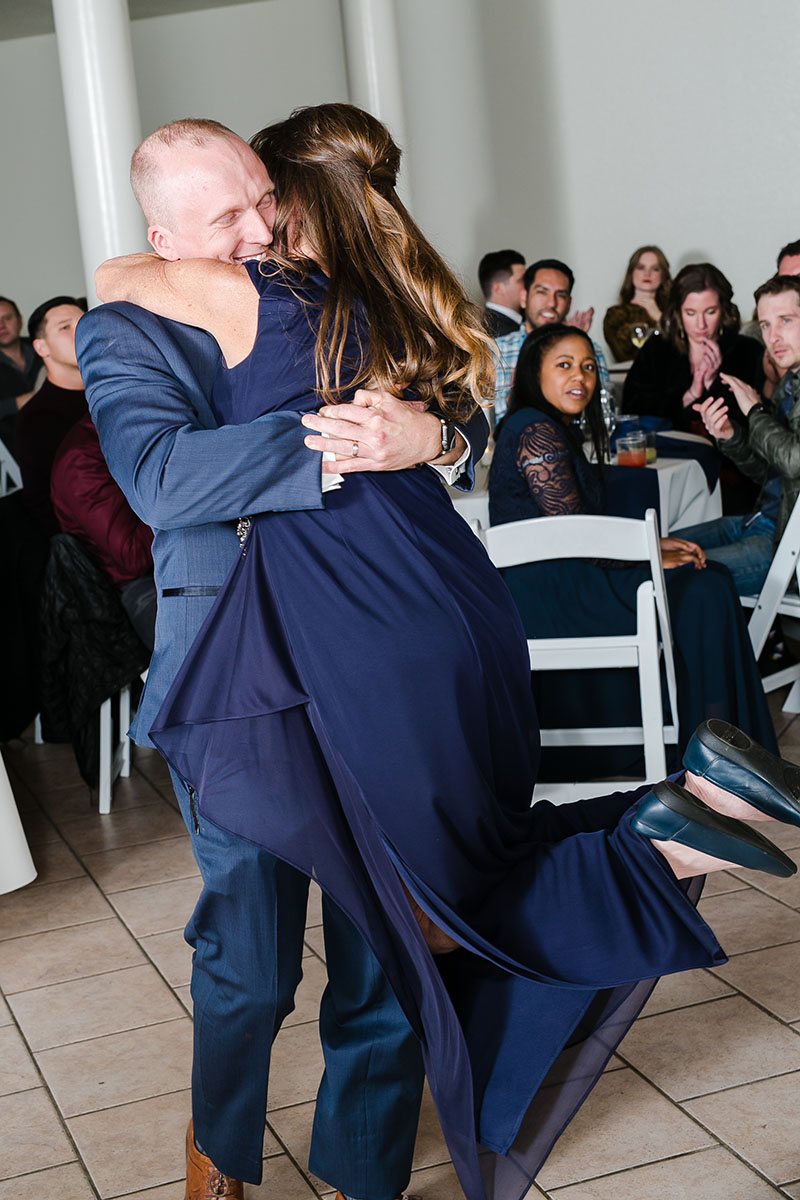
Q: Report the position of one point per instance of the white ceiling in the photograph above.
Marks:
(25, 18)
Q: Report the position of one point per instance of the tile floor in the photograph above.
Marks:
(95, 1041)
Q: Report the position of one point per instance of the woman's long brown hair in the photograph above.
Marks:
(334, 167)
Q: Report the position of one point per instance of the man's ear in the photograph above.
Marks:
(161, 241)
(41, 347)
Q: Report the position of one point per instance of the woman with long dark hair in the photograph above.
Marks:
(698, 340)
(358, 700)
(642, 299)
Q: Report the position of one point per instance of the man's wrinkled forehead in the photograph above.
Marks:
(218, 174)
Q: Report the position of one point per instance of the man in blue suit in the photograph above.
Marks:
(148, 381)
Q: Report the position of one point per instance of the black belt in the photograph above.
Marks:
(197, 589)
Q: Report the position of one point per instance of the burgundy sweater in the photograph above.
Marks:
(90, 506)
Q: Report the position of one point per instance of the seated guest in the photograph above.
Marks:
(89, 505)
(540, 469)
(500, 274)
(547, 300)
(699, 339)
(53, 410)
(19, 368)
(766, 447)
(788, 263)
(642, 298)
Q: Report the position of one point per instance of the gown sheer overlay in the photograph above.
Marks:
(359, 703)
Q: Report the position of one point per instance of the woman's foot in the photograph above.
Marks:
(747, 781)
(697, 839)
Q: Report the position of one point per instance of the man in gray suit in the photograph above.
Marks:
(148, 382)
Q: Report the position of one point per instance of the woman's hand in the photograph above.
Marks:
(704, 372)
(746, 397)
(714, 414)
(675, 552)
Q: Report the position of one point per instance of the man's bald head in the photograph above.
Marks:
(150, 162)
(204, 192)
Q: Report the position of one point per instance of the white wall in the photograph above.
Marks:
(245, 65)
(668, 123)
(564, 127)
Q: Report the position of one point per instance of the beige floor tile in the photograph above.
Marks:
(137, 866)
(785, 836)
(315, 941)
(707, 1175)
(293, 1126)
(748, 920)
(51, 906)
(90, 1008)
(17, 1069)
(281, 1178)
(159, 907)
(184, 994)
(120, 1068)
(171, 955)
(38, 827)
(296, 1066)
(683, 989)
(793, 1190)
(5, 1013)
(624, 1123)
(62, 954)
(151, 823)
(136, 1146)
(785, 890)
(314, 911)
(33, 1137)
(55, 861)
(721, 882)
(59, 1183)
(759, 1122)
(431, 1148)
(770, 977)
(711, 1046)
(170, 1191)
(70, 803)
(309, 993)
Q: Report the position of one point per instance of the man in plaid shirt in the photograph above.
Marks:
(548, 296)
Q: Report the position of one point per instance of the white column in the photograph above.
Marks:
(373, 65)
(103, 123)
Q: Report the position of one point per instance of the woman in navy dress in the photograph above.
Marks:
(359, 700)
(540, 469)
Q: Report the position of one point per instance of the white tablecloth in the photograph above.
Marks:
(684, 498)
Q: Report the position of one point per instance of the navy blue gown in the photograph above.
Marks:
(358, 702)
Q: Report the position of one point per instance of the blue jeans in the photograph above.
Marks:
(745, 549)
(247, 934)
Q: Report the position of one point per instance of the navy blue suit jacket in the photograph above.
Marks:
(148, 383)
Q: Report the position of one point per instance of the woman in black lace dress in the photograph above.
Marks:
(540, 469)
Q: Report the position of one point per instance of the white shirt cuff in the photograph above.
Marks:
(330, 483)
(451, 473)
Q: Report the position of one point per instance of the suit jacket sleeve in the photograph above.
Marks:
(148, 382)
(475, 431)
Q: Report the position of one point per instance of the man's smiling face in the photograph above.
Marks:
(218, 202)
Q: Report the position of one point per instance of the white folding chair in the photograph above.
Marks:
(10, 477)
(617, 538)
(774, 599)
(115, 759)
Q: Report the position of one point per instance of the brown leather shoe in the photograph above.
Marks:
(203, 1180)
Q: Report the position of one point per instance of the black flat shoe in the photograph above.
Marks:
(724, 755)
(671, 814)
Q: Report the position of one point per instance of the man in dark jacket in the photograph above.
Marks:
(89, 505)
(53, 410)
